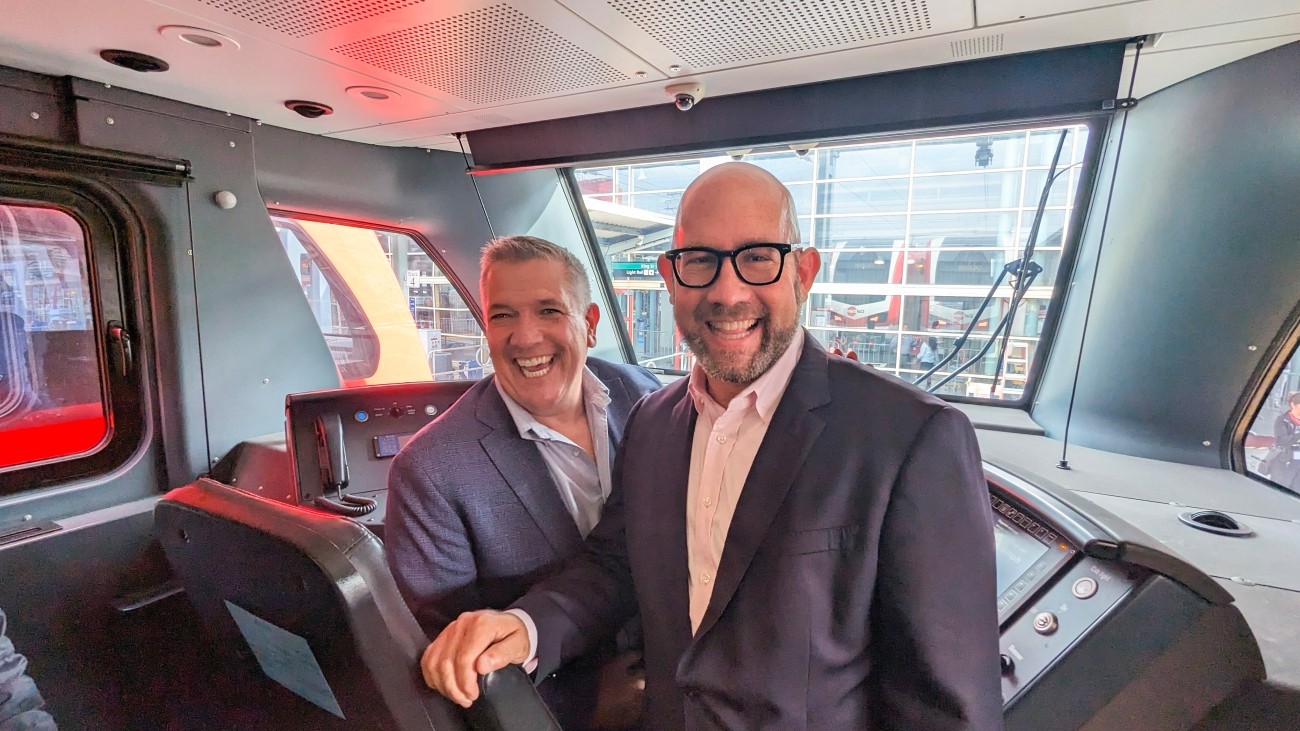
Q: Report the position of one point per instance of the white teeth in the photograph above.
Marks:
(541, 360)
(733, 326)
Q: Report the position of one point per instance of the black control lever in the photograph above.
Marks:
(333, 460)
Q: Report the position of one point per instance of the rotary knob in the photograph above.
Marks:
(1045, 623)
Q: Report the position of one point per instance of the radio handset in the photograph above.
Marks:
(332, 457)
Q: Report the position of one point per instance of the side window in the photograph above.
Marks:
(53, 395)
(1273, 442)
(387, 311)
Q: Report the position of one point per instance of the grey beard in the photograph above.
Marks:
(772, 345)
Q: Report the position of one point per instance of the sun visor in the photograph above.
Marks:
(1041, 85)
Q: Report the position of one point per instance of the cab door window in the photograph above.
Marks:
(52, 390)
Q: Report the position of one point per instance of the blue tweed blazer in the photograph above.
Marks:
(474, 518)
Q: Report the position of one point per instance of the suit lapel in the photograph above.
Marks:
(669, 518)
(521, 465)
(619, 405)
(789, 439)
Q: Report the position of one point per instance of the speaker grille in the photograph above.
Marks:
(707, 33)
(485, 56)
(977, 46)
(303, 17)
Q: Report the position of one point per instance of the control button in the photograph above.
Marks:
(396, 410)
(1085, 588)
(1008, 665)
(1045, 623)
(1011, 594)
(1002, 604)
(361, 416)
(430, 410)
(1021, 585)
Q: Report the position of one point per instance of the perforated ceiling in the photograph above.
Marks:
(303, 17)
(977, 46)
(707, 33)
(490, 55)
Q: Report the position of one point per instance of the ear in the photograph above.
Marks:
(591, 316)
(666, 272)
(807, 262)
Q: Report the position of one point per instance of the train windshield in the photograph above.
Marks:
(922, 243)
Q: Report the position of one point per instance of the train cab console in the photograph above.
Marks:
(341, 441)
(1101, 628)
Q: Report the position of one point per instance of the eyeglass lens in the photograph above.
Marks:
(755, 265)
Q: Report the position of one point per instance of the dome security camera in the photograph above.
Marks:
(310, 110)
(685, 95)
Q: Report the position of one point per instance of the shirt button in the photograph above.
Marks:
(705, 579)
(722, 439)
(708, 501)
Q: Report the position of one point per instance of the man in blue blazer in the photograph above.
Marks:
(808, 541)
(497, 492)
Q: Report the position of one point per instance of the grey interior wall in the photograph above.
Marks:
(1199, 264)
(427, 192)
(257, 339)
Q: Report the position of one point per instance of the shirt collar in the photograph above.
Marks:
(764, 394)
(594, 395)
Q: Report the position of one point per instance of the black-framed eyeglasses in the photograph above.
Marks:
(756, 264)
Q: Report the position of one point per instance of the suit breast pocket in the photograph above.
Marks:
(818, 540)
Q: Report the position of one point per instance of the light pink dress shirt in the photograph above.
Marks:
(722, 451)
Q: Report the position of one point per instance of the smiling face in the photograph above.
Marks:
(538, 332)
(738, 330)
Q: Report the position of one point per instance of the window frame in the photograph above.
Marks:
(111, 234)
(1284, 348)
(1098, 128)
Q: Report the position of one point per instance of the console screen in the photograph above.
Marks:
(1027, 551)
(1016, 552)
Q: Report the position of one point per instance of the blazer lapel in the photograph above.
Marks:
(665, 519)
(619, 405)
(789, 439)
(521, 465)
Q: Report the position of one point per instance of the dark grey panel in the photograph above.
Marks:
(1272, 616)
(17, 107)
(425, 192)
(258, 339)
(1219, 556)
(174, 338)
(1199, 262)
(1067, 81)
(84, 89)
(1106, 473)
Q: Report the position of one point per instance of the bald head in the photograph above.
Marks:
(737, 190)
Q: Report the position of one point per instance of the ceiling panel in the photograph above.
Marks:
(702, 35)
(989, 12)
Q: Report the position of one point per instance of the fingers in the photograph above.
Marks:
(475, 644)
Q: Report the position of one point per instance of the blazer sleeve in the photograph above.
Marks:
(586, 603)
(427, 546)
(935, 630)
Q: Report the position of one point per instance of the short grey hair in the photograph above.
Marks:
(517, 249)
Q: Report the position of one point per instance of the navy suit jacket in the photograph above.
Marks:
(474, 518)
(856, 589)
